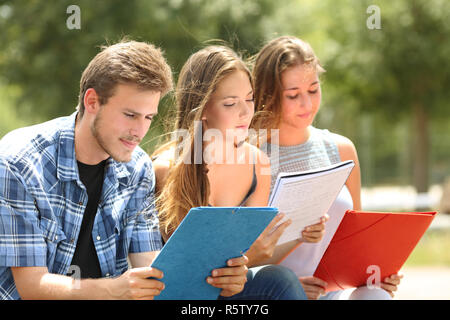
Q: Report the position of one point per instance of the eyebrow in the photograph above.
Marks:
(139, 114)
(235, 97)
(296, 88)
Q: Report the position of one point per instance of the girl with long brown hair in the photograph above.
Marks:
(208, 162)
(287, 98)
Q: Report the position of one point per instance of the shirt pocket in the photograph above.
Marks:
(51, 230)
(53, 235)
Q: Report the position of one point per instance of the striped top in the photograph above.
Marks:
(319, 151)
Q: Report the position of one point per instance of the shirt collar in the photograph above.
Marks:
(66, 166)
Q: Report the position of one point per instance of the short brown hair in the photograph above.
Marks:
(129, 62)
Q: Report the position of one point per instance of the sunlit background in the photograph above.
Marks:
(386, 86)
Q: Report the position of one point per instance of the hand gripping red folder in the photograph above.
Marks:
(367, 244)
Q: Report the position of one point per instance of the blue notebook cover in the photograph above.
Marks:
(204, 241)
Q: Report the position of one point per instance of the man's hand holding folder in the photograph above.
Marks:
(138, 284)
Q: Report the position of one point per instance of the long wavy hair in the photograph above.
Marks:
(275, 57)
(186, 185)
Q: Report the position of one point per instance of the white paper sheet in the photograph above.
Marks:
(304, 259)
(304, 197)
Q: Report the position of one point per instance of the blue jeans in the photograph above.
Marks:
(271, 282)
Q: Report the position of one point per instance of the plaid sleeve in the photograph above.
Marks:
(146, 236)
(21, 241)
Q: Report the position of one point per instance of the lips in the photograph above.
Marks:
(129, 144)
(305, 115)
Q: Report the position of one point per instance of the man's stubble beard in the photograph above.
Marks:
(102, 141)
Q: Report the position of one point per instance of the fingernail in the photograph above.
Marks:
(209, 280)
(214, 273)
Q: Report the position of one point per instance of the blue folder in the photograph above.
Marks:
(204, 241)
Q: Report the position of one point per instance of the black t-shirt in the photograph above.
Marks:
(85, 256)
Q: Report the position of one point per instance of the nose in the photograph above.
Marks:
(305, 102)
(140, 128)
(247, 109)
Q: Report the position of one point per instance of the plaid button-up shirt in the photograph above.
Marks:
(42, 202)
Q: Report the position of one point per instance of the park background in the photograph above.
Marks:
(386, 85)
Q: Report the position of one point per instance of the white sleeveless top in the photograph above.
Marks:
(319, 151)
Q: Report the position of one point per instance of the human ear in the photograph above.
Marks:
(91, 101)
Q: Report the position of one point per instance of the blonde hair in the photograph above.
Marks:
(132, 62)
(187, 185)
(275, 57)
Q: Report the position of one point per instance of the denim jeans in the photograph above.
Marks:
(270, 282)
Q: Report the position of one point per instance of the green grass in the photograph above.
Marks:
(432, 250)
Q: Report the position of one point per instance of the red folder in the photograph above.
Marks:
(370, 244)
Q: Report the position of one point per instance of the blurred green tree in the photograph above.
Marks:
(376, 78)
(400, 70)
(44, 58)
